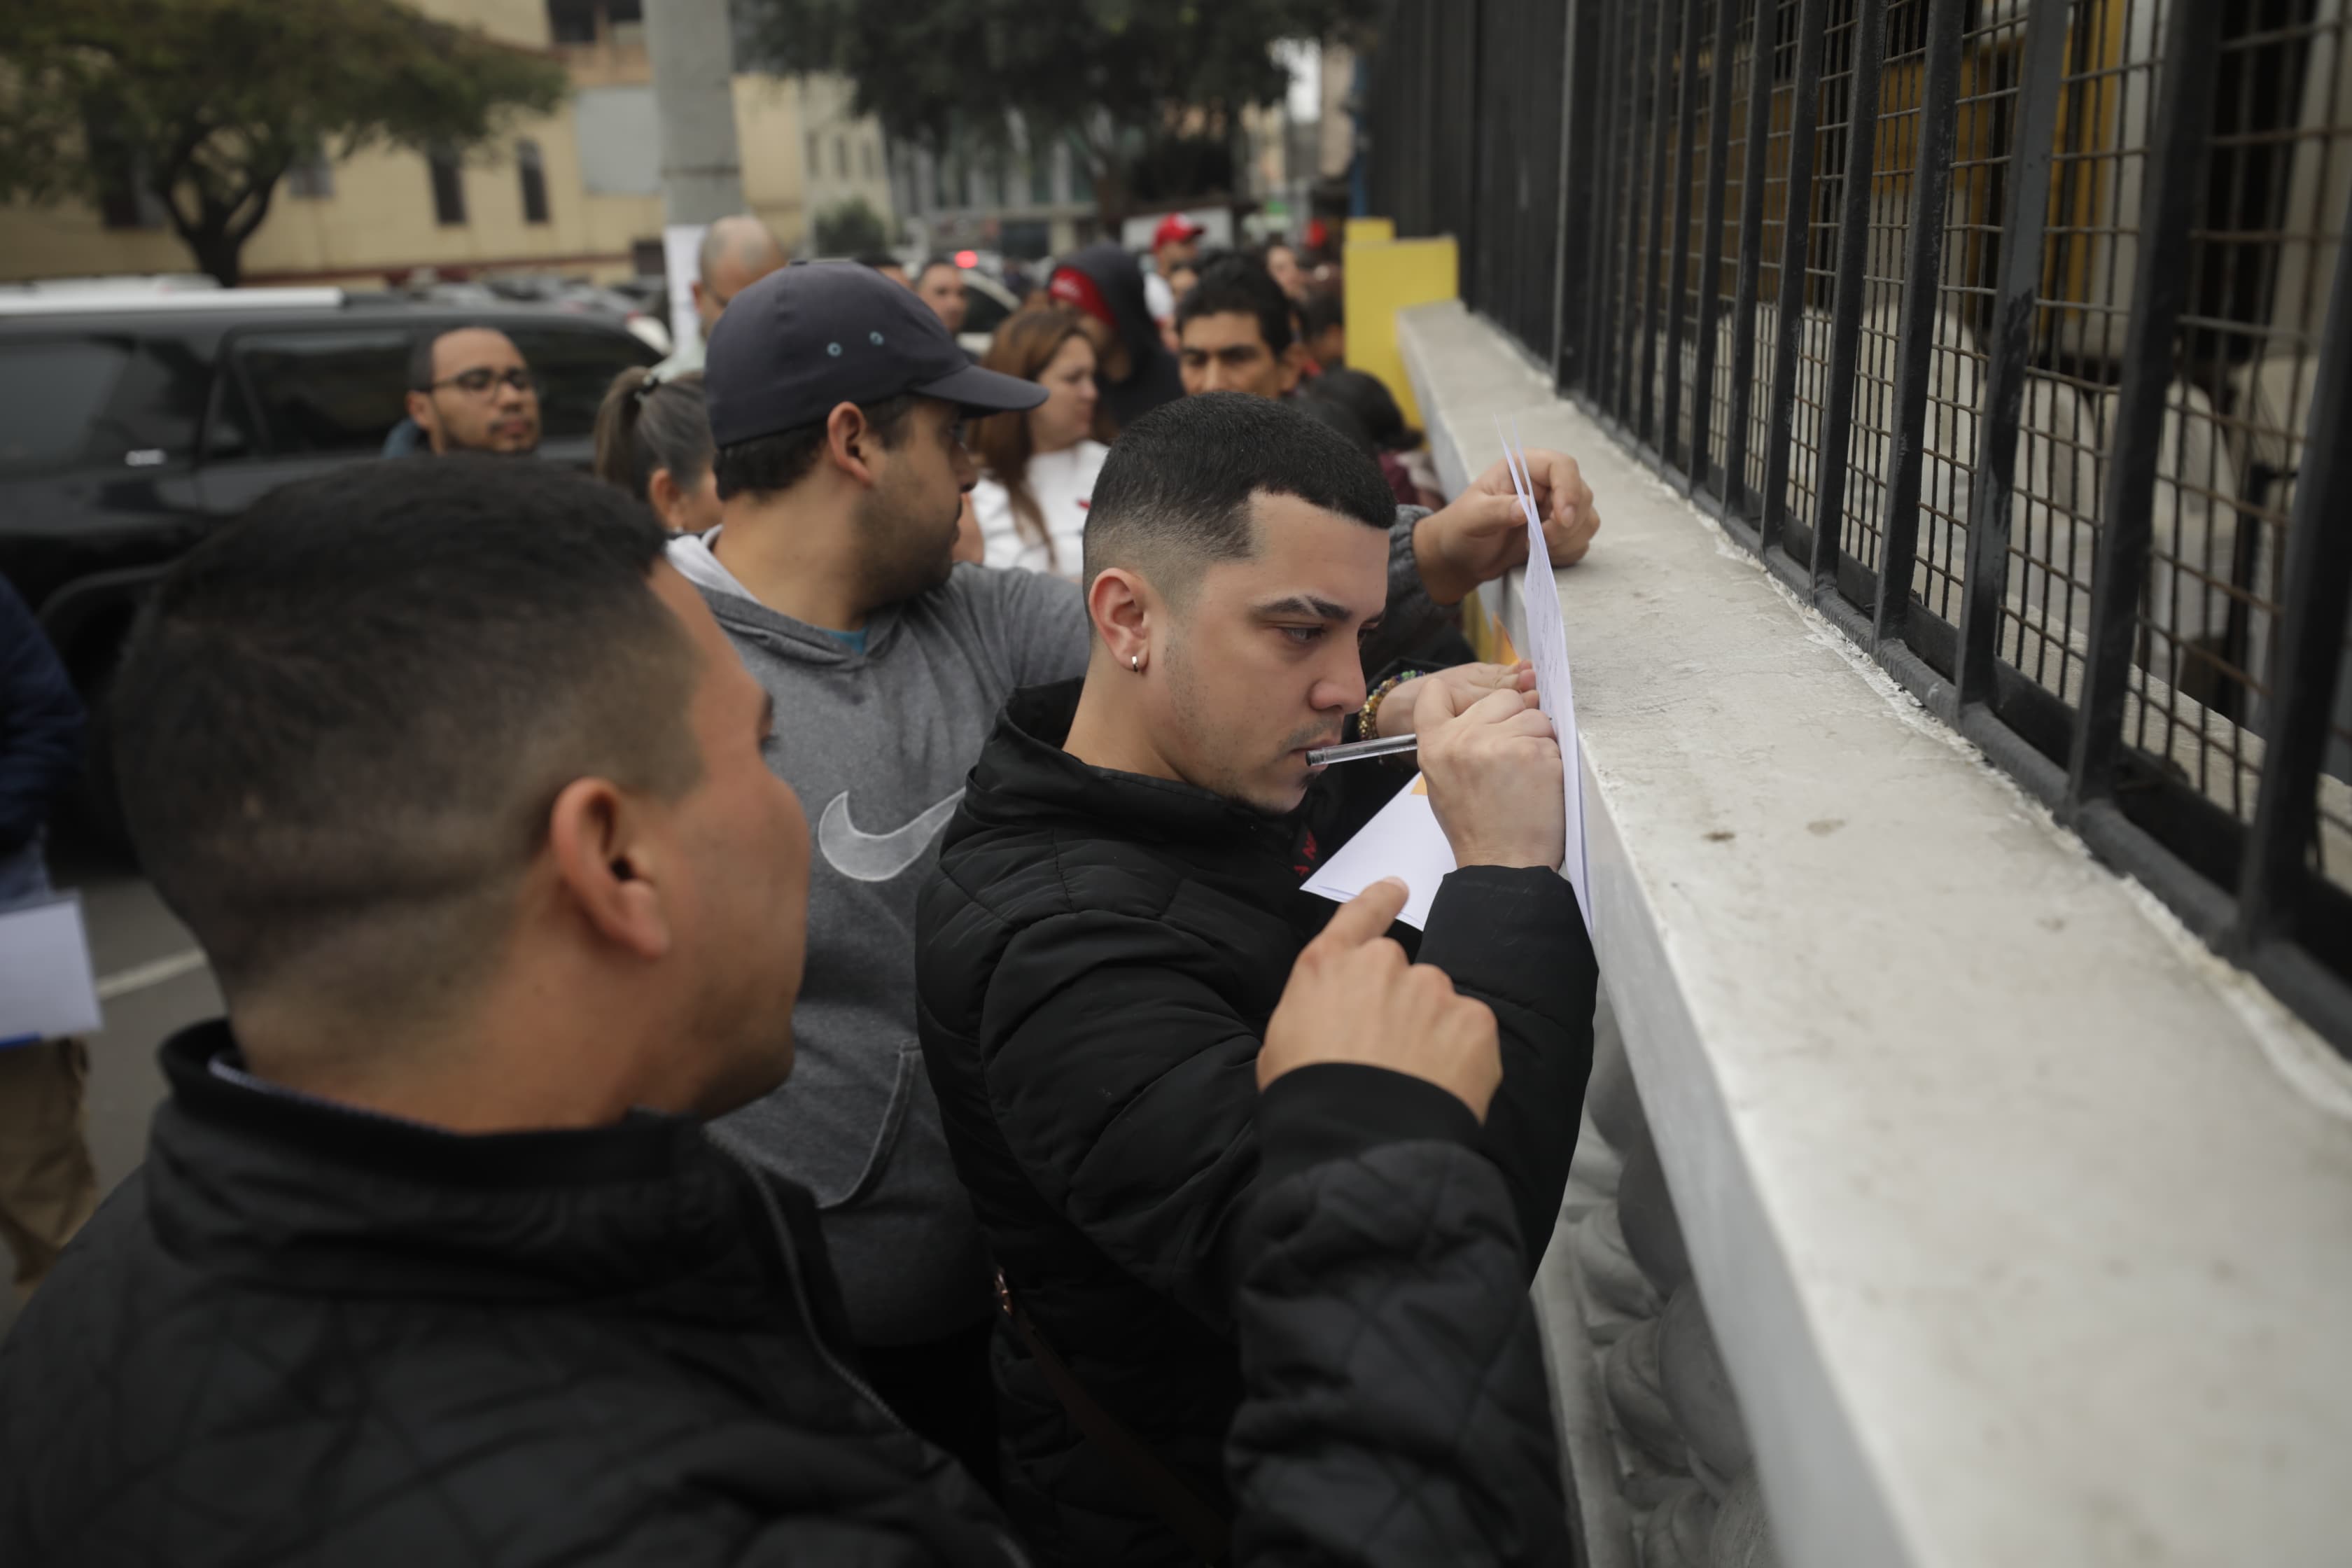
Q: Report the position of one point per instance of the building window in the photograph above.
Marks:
(626, 19)
(841, 157)
(1041, 178)
(313, 179)
(449, 187)
(947, 179)
(815, 158)
(534, 182)
(571, 21)
(866, 159)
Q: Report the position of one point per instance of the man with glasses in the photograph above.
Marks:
(470, 391)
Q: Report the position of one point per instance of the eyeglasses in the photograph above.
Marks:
(474, 383)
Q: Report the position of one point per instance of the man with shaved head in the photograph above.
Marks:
(737, 252)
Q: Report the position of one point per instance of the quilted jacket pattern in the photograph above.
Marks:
(1099, 955)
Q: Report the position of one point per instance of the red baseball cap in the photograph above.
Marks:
(1075, 289)
(1174, 229)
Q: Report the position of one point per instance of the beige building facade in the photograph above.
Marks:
(577, 192)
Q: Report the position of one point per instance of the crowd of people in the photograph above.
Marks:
(771, 1015)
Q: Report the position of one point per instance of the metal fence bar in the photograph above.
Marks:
(1677, 278)
(1751, 257)
(1593, 372)
(2025, 217)
(1652, 282)
(2318, 595)
(1923, 261)
(1796, 233)
(1853, 285)
(2177, 155)
(1637, 152)
(1710, 266)
(1575, 193)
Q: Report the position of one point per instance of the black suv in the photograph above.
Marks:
(128, 431)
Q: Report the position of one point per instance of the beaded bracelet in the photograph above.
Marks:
(1368, 717)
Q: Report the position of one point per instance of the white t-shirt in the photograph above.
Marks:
(1063, 483)
(1159, 298)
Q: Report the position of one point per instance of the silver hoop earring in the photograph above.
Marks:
(1134, 662)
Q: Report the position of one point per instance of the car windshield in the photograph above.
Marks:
(52, 395)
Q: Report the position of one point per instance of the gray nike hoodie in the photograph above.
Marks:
(878, 745)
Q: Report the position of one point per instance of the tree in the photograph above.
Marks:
(1119, 78)
(850, 228)
(207, 104)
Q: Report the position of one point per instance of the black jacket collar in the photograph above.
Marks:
(300, 1195)
(1025, 779)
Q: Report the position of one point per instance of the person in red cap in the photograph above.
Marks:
(1175, 243)
(1134, 369)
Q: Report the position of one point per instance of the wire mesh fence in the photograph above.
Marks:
(2006, 330)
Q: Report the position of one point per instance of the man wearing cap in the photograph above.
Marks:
(835, 401)
(1175, 243)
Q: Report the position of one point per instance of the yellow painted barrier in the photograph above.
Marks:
(1369, 229)
(1383, 278)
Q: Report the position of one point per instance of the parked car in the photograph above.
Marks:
(130, 427)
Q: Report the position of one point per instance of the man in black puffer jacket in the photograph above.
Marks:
(432, 1259)
(1117, 907)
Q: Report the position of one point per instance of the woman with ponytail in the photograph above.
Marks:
(1038, 468)
(653, 440)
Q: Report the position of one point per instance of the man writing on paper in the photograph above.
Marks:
(1118, 901)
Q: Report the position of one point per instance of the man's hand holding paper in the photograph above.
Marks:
(1483, 534)
(1401, 713)
(1493, 767)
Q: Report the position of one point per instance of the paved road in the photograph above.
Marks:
(151, 980)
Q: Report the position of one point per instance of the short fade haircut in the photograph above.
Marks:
(931, 261)
(421, 347)
(341, 722)
(1174, 496)
(1236, 286)
(770, 464)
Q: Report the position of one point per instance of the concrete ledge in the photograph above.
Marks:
(2025, 1226)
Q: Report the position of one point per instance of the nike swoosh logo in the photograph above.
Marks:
(877, 857)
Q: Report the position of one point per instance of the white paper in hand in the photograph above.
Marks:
(46, 988)
(1547, 651)
(1401, 840)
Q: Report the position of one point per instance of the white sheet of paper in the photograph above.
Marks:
(1401, 840)
(47, 989)
(1547, 651)
(682, 259)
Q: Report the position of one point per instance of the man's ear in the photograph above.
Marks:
(608, 868)
(1123, 607)
(420, 410)
(850, 442)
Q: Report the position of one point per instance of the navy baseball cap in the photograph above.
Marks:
(806, 337)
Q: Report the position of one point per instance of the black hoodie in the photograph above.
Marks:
(1151, 379)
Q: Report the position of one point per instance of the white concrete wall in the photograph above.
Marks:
(2025, 1224)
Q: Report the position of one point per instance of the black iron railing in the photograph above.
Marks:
(2016, 334)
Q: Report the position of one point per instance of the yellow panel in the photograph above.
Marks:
(1370, 229)
(1383, 278)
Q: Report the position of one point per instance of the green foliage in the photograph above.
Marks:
(207, 103)
(851, 229)
(1122, 75)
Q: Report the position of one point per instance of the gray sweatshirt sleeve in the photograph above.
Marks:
(1035, 625)
(1411, 614)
